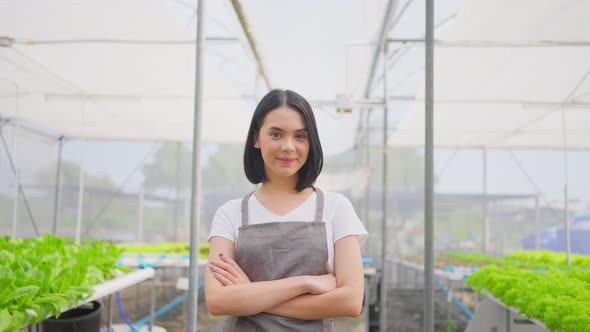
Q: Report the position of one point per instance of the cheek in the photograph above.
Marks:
(304, 148)
(269, 145)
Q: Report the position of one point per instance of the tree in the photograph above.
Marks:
(169, 168)
(70, 177)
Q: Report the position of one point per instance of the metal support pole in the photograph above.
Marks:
(56, 201)
(20, 188)
(15, 211)
(195, 206)
(367, 144)
(16, 192)
(385, 26)
(153, 302)
(176, 192)
(111, 300)
(568, 247)
(140, 206)
(429, 173)
(80, 205)
(537, 224)
(485, 222)
(383, 296)
(186, 218)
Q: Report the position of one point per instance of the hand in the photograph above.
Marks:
(227, 271)
(321, 284)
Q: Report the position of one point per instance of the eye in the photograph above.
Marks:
(275, 134)
(301, 136)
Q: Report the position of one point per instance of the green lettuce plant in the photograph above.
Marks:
(558, 298)
(42, 276)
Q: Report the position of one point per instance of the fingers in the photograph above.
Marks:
(221, 272)
(230, 262)
(222, 279)
(225, 266)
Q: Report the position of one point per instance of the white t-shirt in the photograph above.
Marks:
(339, 215)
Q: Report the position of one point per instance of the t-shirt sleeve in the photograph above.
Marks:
(346, 222)
(222, 224)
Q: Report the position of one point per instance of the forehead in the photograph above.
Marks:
(285, 118)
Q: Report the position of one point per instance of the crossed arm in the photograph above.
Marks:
(228, 291)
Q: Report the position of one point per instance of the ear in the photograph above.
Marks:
(256, 144)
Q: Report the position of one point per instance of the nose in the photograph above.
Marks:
(288, 144)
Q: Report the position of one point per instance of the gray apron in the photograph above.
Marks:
(278, 250)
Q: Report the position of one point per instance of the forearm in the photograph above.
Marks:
(253, 298)
(340, 302)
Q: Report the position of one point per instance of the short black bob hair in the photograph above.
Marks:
(253, 163)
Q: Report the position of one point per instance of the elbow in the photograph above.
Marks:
(355, 309)
(354, 306)
(213, 307)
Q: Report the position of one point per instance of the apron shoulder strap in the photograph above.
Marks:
(245, 209)
(319, 205)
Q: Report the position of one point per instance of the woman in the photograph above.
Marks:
(287, 256)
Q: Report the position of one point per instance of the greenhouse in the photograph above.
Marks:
(459, 131)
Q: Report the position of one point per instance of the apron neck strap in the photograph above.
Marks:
(319, 206)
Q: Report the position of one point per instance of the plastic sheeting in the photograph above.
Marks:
(503, 75)
(121, 70)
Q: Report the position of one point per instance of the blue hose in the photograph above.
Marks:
(455, 300)
(120, 306)
(140, 323)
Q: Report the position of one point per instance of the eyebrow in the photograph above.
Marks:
(279, 129)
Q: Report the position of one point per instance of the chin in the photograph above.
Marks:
(286, 172)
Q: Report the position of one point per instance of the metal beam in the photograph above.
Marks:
(216, 40)
(56, 200)
(250, 36)
(429, 171)
(20, 187)
(493, 44)
(485, 222)
(383, 296)
(387, 21)
(195, 205)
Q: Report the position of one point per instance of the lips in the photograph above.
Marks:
(286, 161)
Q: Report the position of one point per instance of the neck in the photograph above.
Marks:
(272, 188)
(279, 186)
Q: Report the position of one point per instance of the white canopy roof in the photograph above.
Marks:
(124, 70)
(504, 73)
(120, 70)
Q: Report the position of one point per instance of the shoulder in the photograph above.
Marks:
(231, 205)
(334, 199)
(336, 204)
(230, 209)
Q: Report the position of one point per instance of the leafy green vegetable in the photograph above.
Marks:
(559, 298)
(43, 275)
(166, 248)
(531, 259)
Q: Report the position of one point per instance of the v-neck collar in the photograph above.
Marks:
(276, 216)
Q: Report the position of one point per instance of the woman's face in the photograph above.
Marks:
(283, 142)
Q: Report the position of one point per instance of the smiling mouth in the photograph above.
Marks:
(286, 161)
